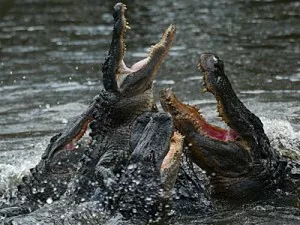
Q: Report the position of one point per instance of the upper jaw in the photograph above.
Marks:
(117, 77)
(116, 51)
(143, 72)
(212, 68)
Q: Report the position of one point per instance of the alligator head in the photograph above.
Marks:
(117, 77)
(239, 159)
(146, 185)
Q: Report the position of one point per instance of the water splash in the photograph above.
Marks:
(12, 171)
(283, 137)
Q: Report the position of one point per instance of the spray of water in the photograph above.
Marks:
(283, 137)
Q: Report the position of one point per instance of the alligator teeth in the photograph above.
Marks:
(127, 26)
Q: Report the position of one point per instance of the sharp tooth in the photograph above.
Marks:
(204, 90)
(127, 25)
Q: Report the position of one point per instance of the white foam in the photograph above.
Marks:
(15, 164)
(283, 137)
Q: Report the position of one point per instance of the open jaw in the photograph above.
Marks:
(73, 133)
(226, 152)
(191, 114)
(117, 76)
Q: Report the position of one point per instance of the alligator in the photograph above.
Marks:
(143, 190)
(71, 173)
(240, 162)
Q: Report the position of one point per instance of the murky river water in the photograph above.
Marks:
(50, 68)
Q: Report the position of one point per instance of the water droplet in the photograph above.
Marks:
(131, 166)
(137, 182)
(148, 199)
(64, 121)
(49, 200)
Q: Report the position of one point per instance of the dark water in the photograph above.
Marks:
(50, 68)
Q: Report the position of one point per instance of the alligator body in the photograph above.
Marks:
(99, 171)
(140, 194)
(240, 160)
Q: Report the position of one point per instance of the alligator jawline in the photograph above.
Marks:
(73, 144)
(155, 55)
(221, 134)
(216, 132)
(193, 115)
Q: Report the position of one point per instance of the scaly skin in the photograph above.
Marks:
(127, 95)
(240, 160)
(145, 188)
(140, 196)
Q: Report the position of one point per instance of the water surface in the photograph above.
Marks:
(51, 54)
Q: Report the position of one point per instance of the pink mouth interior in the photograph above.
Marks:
(217, 132)
(135, 67)
(72, 144)
(222, 134)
